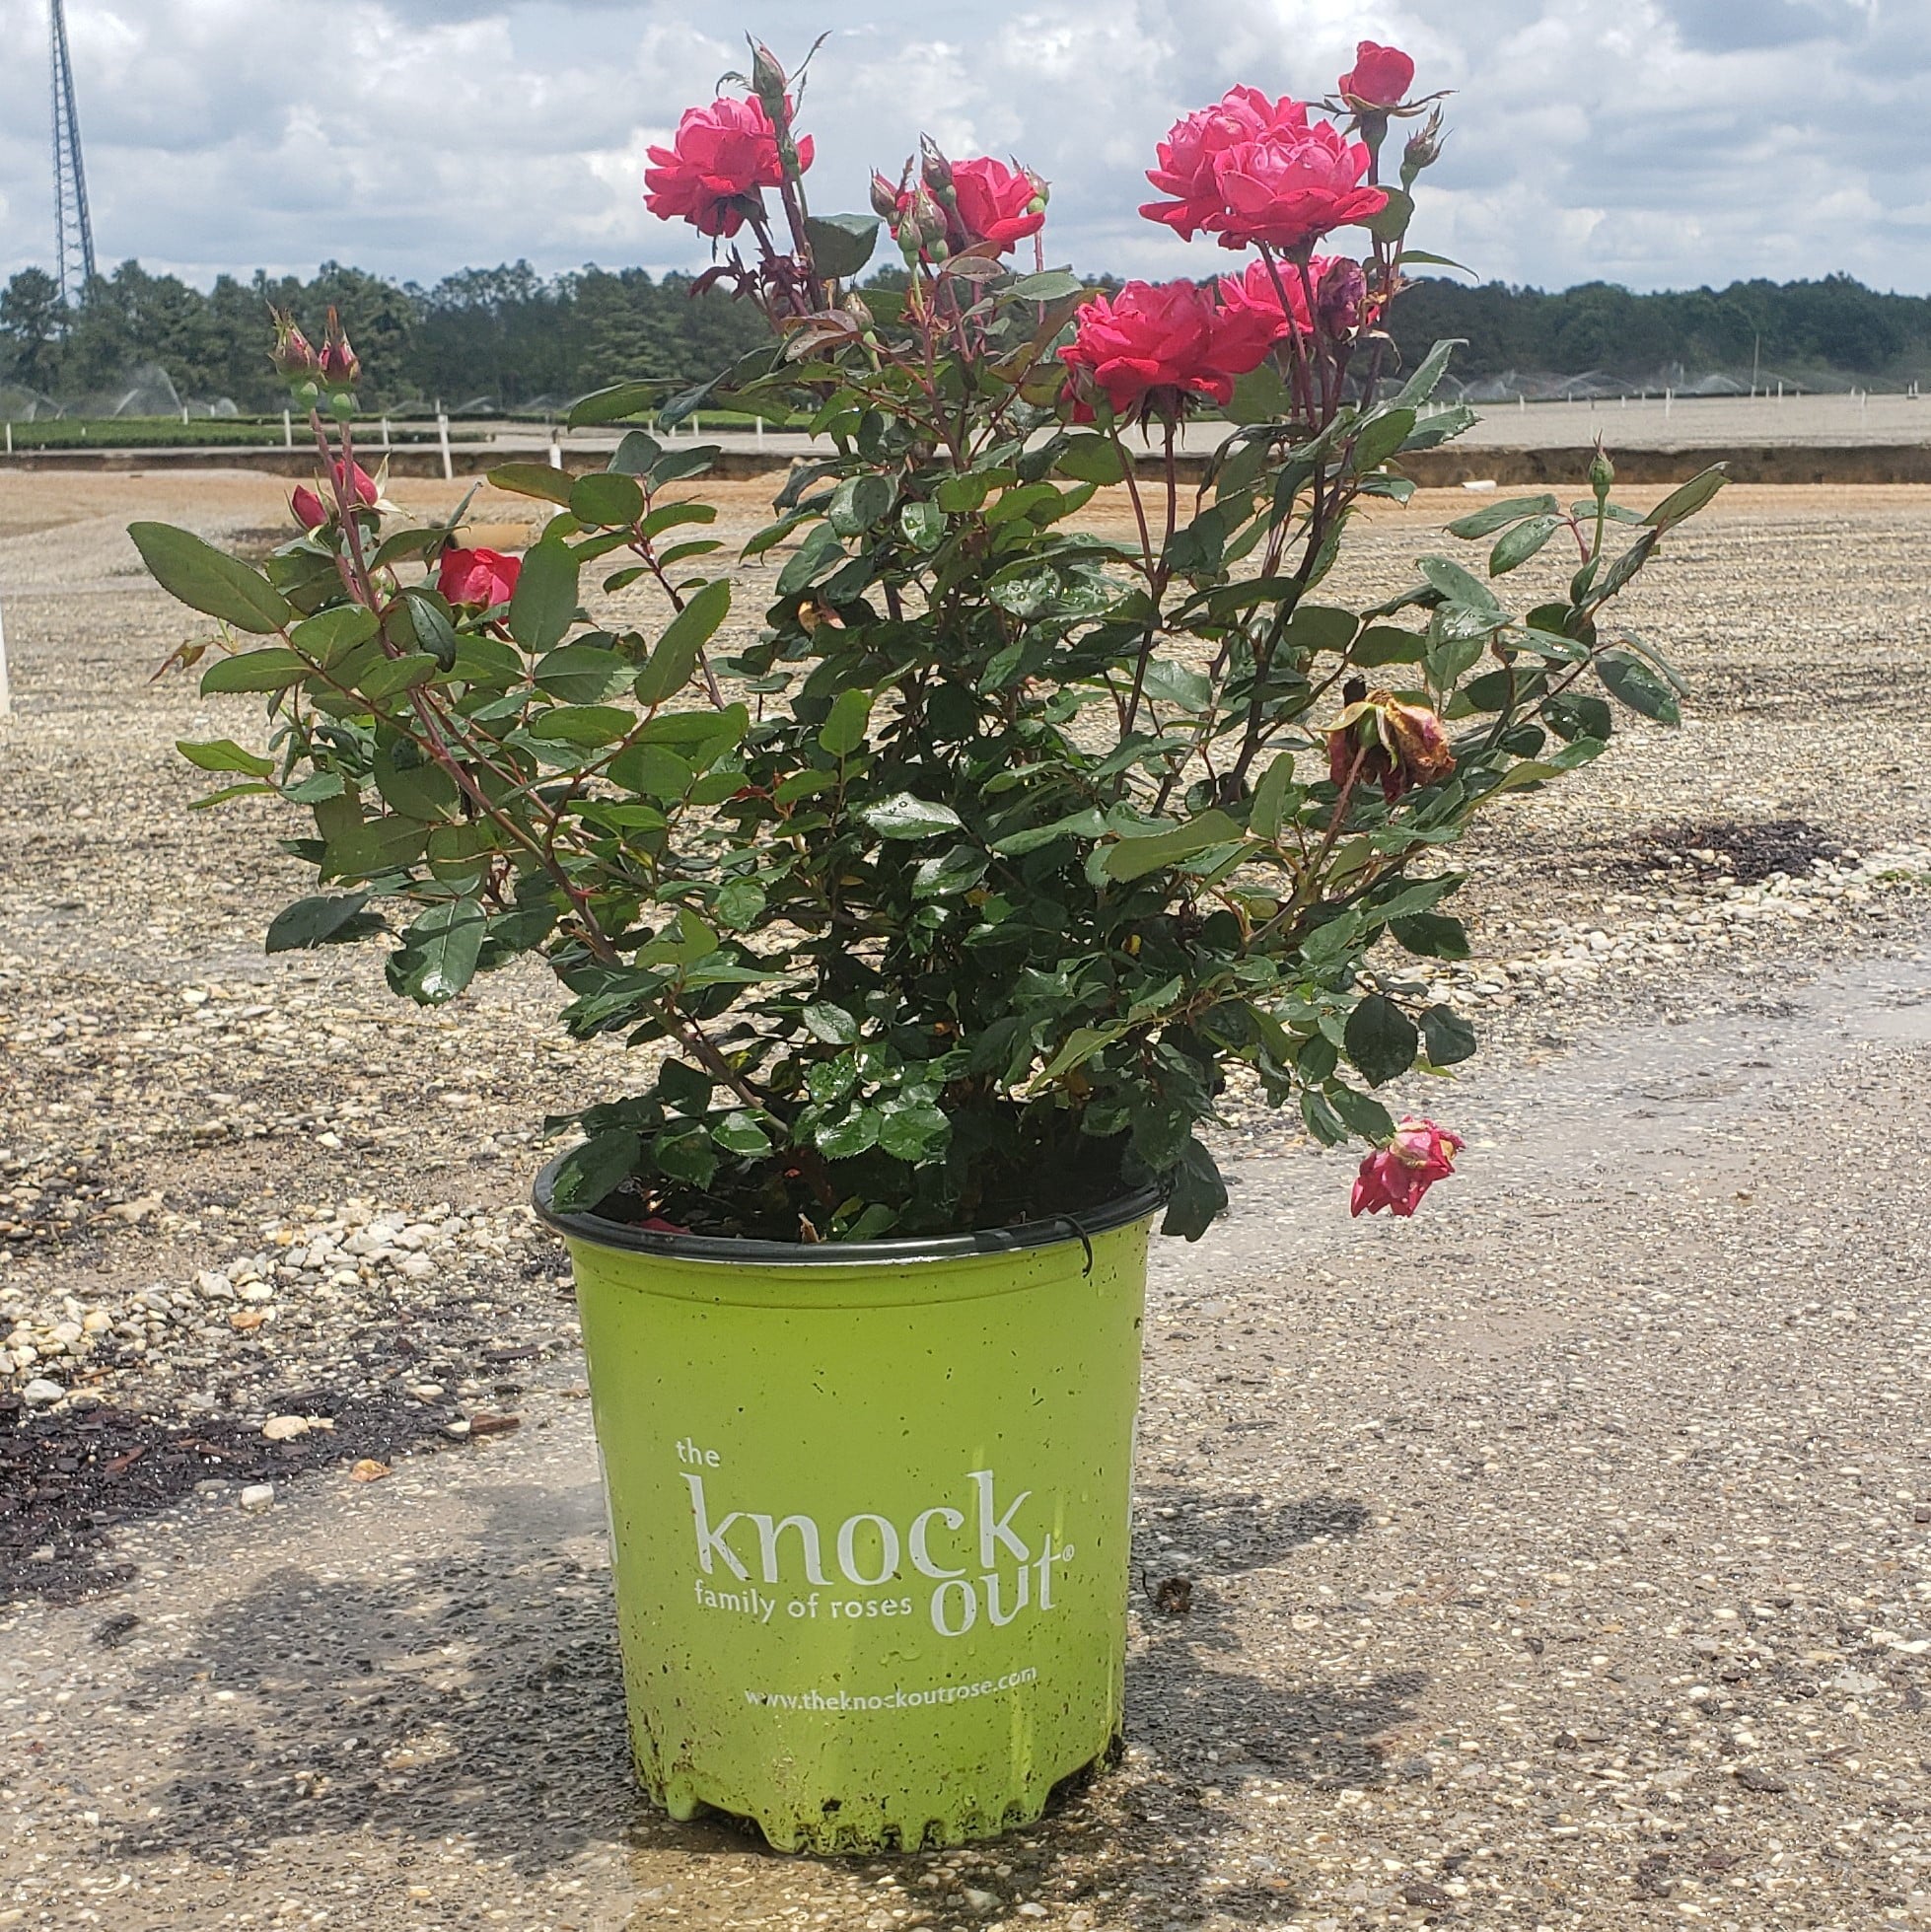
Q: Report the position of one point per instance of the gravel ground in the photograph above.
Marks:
(1557, 1559)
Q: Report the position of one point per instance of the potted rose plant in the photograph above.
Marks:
(945, 901)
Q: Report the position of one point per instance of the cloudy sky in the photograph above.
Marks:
(1659, 143)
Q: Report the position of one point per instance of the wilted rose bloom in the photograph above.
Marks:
(719, 159)
(1288, 191)
(479, 577)
(1192, 146)
(1396, 1176)
(1339, 290)
(998, 203)
(1378, 79)
(1168, 337)
(1400, 745)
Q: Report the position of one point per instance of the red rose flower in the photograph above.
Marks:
(479, 577)
(1378, 79)
(1396, 1176)
(719, 159)
(310, 511)
(1170, 336)
(1288, 191)
(1192, 146)
(1339, 290)
(998, 203)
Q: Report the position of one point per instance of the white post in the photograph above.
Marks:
(757, 431)
(555, 452)
(10, 438)
(184, 412)
(288, 431)
(385, 432)
(1668, 401)
(6, 691)
(443, 437)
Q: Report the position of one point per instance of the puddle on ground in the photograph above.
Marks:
(1651, 1105)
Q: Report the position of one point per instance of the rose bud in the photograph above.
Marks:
(1602, 473)
(1339, 297)
(1424, 148)
(1396, 1177)
(293, 355)
(768, 81)
(339, 365)
(309, 509)
(884, 199)
(1378, 79)
(934, 169)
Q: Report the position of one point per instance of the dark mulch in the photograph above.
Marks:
(67, 1479)
(1748, 853)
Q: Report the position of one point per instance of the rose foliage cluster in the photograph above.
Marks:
(1054, 786)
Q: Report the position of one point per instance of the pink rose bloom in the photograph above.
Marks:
(719, 159)
(479, 577)
(1165, 336)
(1339, 287)
(1396, 1176)
(1192, 146)
(998, 203)
(1378, 79)
(1287, 192)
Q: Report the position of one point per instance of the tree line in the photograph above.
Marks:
(508, 337)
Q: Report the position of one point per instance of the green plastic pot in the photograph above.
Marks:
(869, 1517)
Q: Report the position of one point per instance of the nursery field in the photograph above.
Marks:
(1559, 1559)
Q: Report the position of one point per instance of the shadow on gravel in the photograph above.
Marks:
(479, 1697)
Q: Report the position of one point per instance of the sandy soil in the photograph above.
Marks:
(1558, 1557)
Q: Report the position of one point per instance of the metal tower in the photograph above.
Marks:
(73, 233)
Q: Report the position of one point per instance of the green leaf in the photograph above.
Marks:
(635, 453)
(1631, 680)
(545, 596)
(1271, 796)
(1489, 520)
(269, 669)
(1432, 936)
(1459, 587)
(844, 730)
(389, 676)
(591, 1173)
(739, 1133)
(905, 817)
(606, 500)
(613, 404)
(582, 674)
(224, 755)
(1175, 683)
(1087, 824)
(1446, 1038)
(438, 957)
(315, 922)
(1518, 546)
(1576, 715)
(1362, 1113)
(1429, 373)
(1049, 285)
(540, 479)
(330, 635)
(830, 1024)
(843, 1140)
(684, 637)
(1091, 459)
(210, 581)
(1196, 1195)
(841, 244)
(1688, 498)
(582, 724)
(956, 870)
(1132, 858)
(1391, 222)
(1261, 396)
(1379, 438)
(1381, 1039)
(859, 502)
(918, 1132)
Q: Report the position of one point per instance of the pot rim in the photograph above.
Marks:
(742, 1251)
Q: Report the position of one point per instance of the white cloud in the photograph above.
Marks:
(1660, 142)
